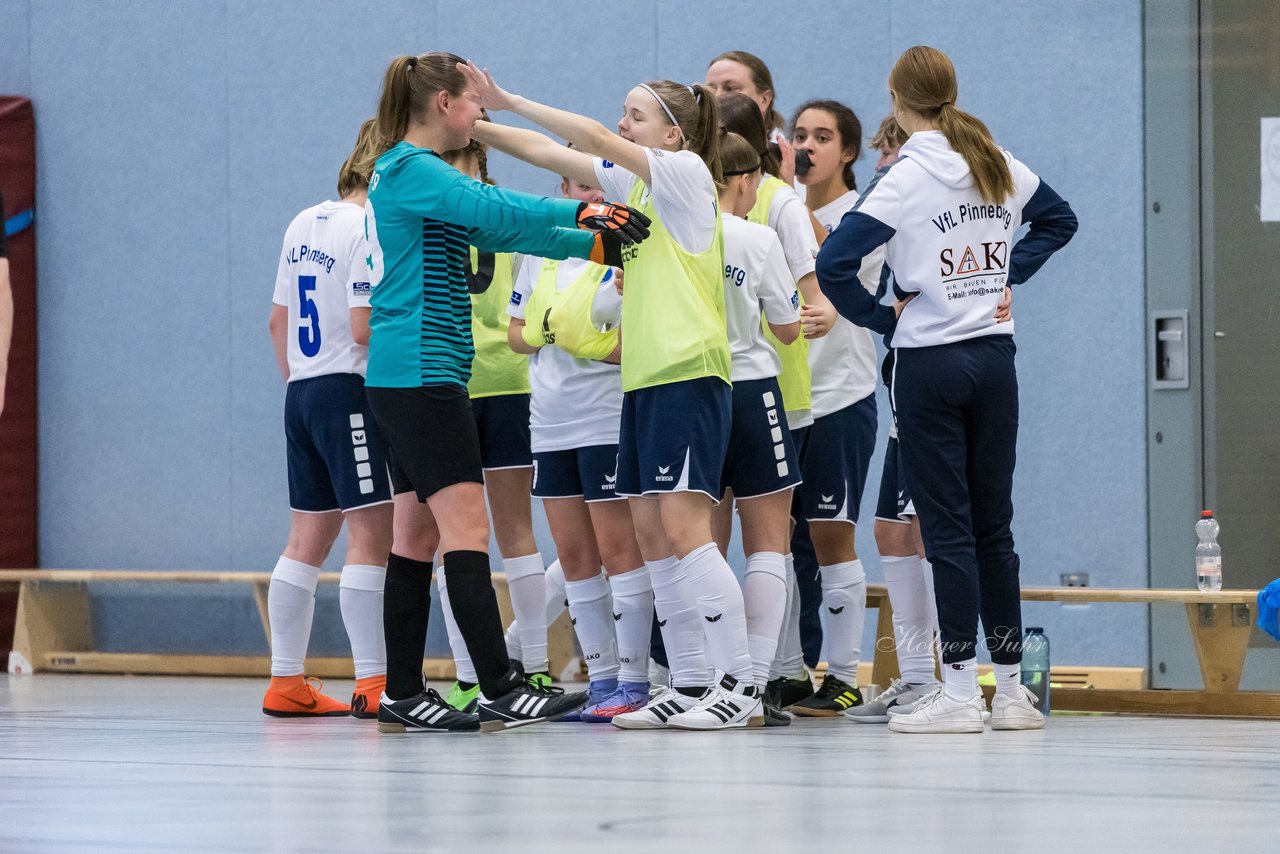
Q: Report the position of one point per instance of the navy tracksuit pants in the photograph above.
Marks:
(957, 409)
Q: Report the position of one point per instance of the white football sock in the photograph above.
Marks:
(591, 608)
(724, 620)
(960, 679)
(553, 581)
(912, 616)
(1008, 679)
(764, 590)
(633, 622)
(291, 603)
(680, 625)
(844, 601)
(360, 598)
(528, 589)
(461, 658)
(789, 660)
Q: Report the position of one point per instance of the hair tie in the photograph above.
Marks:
(413, 62)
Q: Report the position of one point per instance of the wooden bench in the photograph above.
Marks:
(53, 630)
(54, 633)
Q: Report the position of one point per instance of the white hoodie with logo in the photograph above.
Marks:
(943, 243)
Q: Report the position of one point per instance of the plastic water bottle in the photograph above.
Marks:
(1208, 553)
(1035, 666)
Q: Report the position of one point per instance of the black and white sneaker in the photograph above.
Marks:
(663, 704)
(527, 703)
(729, 705)
(425, 712)
(773, 716)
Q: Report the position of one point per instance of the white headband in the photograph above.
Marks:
(665, 108)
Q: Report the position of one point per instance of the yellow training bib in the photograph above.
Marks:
(497, 368)
(562, 318)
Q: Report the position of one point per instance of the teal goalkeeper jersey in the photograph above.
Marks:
(421, 218)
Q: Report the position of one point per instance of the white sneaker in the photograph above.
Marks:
(1016, 712)
(723, 707)
(938, 713)
(662, 705)
(904, 708)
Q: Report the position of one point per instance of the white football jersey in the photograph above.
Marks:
(322, 276)
(756, 279)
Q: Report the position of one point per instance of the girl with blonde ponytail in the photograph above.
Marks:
(665, 160)
(946, 214)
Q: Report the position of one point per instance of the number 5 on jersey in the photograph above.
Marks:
(308, 335)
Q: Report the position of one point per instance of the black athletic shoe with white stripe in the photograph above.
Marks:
(527, 704)
(729, 705)
(425, 712)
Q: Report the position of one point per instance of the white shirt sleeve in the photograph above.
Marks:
(882, 200)
(526, 278)
(1025, 182)
(281, 296)
(684, 194)
(790, 219)
(606, 305)
(614, 180)
(778, 297)
(358, 289)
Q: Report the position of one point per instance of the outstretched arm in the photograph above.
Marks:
(538, 149)
(586, 134)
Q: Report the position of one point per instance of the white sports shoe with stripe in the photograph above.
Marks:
(729, 705)
(527, 704)
(663, 705)
(425, 712)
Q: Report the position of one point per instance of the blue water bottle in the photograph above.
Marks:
(1035, 666)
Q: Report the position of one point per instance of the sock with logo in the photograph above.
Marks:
(912, 621)
(844, 603)
(719, 599)
(1008, 679)
(632, 622)
(960, 679)
(291, 604)
(466, 671)
(591, 609)
(527, 585)
(789, 660)
(680, 625)
(764, 591)
(406, 608)
(360, 598)
(475, 607)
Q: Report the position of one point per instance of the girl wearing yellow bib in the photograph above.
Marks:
(675, 374)
(565, 314)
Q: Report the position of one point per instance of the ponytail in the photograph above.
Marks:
(924, 81)
(407, 87)
(353, 177)
(696, 114)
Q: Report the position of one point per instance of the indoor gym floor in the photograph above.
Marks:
(110, 763)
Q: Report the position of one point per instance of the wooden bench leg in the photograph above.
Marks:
(52, 617)
(885, 663)
(1221, 635)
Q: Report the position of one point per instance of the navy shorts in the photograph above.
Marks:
(431, 436)
(502, 422)
(761, 458)
(835, 461)
(337, 457)
(894, 502)
(588, 473)
(674, 437)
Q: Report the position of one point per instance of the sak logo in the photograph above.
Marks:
(994, 258)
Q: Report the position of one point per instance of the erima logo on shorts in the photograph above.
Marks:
(663, 474)
(827, 502)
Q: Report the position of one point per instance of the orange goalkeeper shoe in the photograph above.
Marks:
(364, 702)
(300, 697)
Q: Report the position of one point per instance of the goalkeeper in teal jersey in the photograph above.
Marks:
(420, 220)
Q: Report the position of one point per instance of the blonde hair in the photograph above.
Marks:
(407, 87)
(350, 178)
(889, 135)
(695, 112)
(924, 80)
